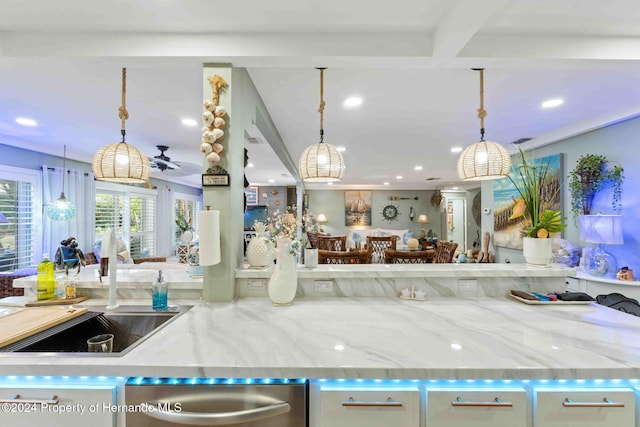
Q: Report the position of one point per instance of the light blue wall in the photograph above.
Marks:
(619, 142)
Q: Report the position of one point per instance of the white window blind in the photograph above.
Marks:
(131, 212)
(20, 228)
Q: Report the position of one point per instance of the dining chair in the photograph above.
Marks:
(312, 236)
(332, 243)
(408, 257)
(444, 252)
(340, 257)
(377, 245)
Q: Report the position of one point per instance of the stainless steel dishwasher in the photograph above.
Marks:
(264, 402)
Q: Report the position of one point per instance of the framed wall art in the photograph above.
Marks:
(357, 208)
(252, 196)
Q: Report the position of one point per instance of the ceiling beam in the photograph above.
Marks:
(461, 22)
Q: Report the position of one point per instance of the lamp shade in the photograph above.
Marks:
(61, 209)
(602, 229)
(121, 162)
(321, 162)
(484, 160)
(423, 219)
(321, 218)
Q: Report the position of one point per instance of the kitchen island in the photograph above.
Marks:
(374, 338)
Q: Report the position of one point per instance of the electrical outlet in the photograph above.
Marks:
(256, 284)
(467, 286)
(323, 285)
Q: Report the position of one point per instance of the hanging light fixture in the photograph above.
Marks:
(121, 162)
(62, 209)
(484, 159)
(321, 162)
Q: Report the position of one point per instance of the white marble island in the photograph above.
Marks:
(375, 338)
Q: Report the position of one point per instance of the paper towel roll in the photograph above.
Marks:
(209, 232)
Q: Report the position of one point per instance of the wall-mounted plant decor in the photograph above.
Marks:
(594, 173)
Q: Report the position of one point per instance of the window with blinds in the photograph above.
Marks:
(19, 218)
(132, 215)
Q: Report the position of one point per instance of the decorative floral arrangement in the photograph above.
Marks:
(283, 225)
(214, 123)
(309, 223)
(183, 223)
(534, 203)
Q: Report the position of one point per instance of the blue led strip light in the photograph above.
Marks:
(212, 381)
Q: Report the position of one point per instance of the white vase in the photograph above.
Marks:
(537, 251)
(310, 258)
(284, 279)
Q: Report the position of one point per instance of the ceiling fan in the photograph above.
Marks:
(164, 164)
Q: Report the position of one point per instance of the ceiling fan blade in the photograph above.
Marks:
(160, 163)
(184, 169)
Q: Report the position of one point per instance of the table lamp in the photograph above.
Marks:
(321, 219)
(422, 219)
(602, 230)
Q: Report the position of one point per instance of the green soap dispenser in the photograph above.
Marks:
(46, 278)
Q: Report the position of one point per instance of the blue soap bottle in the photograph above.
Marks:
(159, 289)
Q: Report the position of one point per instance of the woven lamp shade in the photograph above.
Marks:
(321, 162)
(484, 160)
(121, 162)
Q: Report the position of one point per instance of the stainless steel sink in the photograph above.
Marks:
(130, 325)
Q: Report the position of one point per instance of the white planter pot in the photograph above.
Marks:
(537, 251)
(284, 279)
(310, 258)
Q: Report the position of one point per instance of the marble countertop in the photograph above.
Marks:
(486, 338)
(415, 270)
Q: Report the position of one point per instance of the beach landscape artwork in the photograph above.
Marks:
(508, 233)
(357, 208)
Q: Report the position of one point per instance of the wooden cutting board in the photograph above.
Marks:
(55, 301)
(29, 321)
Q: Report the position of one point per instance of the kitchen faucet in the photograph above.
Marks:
(110, 249)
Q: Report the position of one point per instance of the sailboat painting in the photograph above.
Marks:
(357, 208)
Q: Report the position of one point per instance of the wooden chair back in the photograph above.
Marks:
(150, 259)
(408, 257)
(313, 238)
(445, 251)
(377, 245)
(340, 257)
(332, 243)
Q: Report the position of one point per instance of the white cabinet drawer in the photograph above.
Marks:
(579, 407)
(369, 408)
(34, 406)
(575, 285)
(476, 407)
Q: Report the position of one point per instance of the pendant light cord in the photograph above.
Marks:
(482, 113)
(122, 110)
(64, 168)
(321, 107)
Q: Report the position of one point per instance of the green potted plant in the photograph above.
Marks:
(533, 181)
(592, 174)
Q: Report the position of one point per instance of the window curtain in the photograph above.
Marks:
(165, 238)
(80, 189)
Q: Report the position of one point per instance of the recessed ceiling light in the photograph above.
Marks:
(329, 183)
(272, 181)
(249, 165)
(25, 121)
(386, 183)
(550, 103)
(189, 122)
(417, 168)
(399, 177)
(456, 149)
(352, 101)
(455, 188)
(341, 148)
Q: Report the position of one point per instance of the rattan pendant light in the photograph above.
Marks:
(321, 162)
(62, 209)
(484, 159)
(121, 162)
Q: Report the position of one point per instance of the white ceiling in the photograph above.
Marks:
(410, 61)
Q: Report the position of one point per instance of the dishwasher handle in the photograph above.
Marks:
(219, 418)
